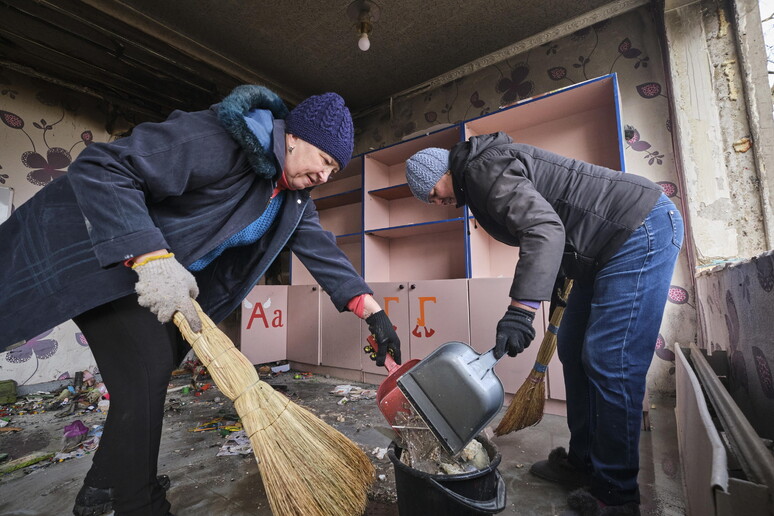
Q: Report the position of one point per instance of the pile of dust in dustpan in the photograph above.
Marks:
(423, 452)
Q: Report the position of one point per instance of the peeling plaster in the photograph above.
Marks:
(717, 210)
(743, 144)
(722, 24)
(729, 72)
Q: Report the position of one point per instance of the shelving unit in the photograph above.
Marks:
(404, 238)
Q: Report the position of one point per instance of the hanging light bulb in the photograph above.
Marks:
(363, 43)
(364, 13)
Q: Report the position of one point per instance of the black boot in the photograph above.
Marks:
(558, 469)
(93, 501)
(583, 503)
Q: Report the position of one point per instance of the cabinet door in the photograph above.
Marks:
(489, 299)
(438, 313)
(340, 341)
(393, 298)
(264, 324)
(304, 324)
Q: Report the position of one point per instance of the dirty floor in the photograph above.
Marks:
(206, 484)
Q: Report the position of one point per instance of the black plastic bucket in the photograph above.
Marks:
(465, 494)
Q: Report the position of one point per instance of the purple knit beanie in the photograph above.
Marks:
(325, 122)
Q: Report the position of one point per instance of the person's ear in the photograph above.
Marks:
(290, 140)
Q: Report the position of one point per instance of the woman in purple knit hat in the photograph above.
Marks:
(197, 206)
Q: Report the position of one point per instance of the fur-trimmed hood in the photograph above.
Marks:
(231, 113)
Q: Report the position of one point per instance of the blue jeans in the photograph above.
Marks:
(606, 342)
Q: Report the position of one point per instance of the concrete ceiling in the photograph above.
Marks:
(193, 51)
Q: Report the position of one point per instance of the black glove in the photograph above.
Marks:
(514, 332)
(386, 339)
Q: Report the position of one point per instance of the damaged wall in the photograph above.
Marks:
(724, 126)
(717, 152)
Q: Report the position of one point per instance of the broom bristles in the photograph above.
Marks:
(526, 408)
(307, 467)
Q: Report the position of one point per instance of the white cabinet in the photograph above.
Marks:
(489, 300)
(303, 334)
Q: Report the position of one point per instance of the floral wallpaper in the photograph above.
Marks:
(43, 128)
(627, 45)
(734, 307)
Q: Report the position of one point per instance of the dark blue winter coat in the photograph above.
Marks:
(186, 184)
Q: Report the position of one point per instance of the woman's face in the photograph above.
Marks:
(306, 165)
(442, 193)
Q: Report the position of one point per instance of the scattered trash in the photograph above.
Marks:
(342, 401)
(362, 394)
(281, 368)
(342, 390)
(379, 453)
(74, 434)
(219, 423)
(25, 461)
(236, 443)
(353, 392)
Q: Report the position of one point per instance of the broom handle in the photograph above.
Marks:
(548, 346)
(389, 362)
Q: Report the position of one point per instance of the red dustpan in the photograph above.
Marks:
(389, 397)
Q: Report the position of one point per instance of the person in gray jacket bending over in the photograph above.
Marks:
(197, 206)
(617, 236)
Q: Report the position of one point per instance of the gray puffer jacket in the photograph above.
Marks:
(557, 210)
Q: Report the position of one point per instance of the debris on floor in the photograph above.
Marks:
(236, 444)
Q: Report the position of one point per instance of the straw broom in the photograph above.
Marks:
(526, 408)
(308, 467)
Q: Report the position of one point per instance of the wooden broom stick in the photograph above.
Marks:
(308, 467)
(526, 408)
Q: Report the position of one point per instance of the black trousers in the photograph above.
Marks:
(135, 354)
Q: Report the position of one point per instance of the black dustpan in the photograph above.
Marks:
(456, 391)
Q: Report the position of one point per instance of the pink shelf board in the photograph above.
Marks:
(418, 229)
(340, 199)
(400, 152)
(392, 192)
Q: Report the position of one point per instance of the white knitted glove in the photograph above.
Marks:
(165, 287)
